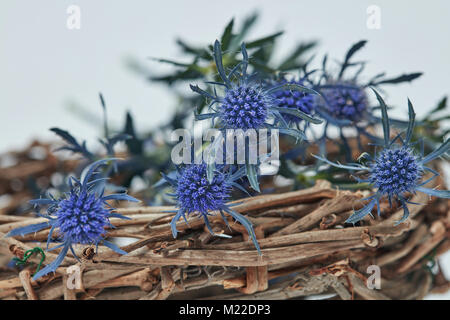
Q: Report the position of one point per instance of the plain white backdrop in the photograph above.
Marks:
(45, 67)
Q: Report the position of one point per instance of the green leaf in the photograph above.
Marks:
(399, 79)
(291, 61)
(357, 46)
(174, 63)
(412, 117)
(441, 106)
(199, 52)
(227, 35)
(263, 41)
(134, 145)
(384, 118)
(188, 74)
(237, 39)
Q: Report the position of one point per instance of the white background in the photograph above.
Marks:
(44, 67)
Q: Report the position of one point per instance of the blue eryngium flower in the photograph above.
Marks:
(80, 216)
(397, 170)
(295, 100)
(247, 103)
(345, 103)
(195, 194)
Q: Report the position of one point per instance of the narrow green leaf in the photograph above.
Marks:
(262, 41)
(357, 46)
(291, 61)
(199, 52)
(399, 79)
(384, 118)
(174, 63)
(227, 35)
(412, 117)
(441, 106)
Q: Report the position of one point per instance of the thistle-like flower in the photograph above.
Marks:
(79, 217)
(397, 170)
(343, 101)
(345, 104)
(248, 104)
(296, 100)
(195, 194)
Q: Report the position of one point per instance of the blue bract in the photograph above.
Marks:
(397, 170)
(79, 217)
(194, 194)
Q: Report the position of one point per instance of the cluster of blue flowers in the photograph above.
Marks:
(248, 102)
(397, 170)
(240, 100)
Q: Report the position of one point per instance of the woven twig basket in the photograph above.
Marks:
(307, 250)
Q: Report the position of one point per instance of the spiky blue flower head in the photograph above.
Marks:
(247, 103)
(345, 101)
(296, 100)
(80, 216)
(195, 194)
(397, 171)
(244, 107)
